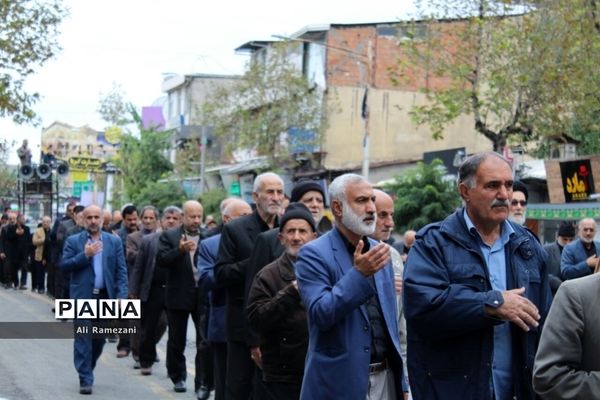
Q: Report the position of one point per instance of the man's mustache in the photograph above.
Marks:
(500, 203)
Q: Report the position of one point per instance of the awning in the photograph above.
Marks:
(567, 211)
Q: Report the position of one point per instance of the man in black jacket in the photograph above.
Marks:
(276, 312)
(176, 253)
(148, 283)
(237, 241)
(18, 249)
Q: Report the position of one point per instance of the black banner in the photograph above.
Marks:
(578, 180)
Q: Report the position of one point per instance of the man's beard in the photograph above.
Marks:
(586, 240)
(355, 223)
(517, 219)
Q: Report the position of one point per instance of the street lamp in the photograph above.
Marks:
(360, 58)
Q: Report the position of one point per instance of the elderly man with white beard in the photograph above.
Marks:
(346, 282)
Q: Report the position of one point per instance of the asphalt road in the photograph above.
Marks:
(32, 369)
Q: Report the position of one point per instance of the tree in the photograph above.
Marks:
(423, 195)
(113, 107)
(28, 38)
(160, 195)
(211, 201)
(271, 100)
(522, 71)
(8, 177)
(141, 160)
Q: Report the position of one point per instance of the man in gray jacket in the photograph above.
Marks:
(567, 365)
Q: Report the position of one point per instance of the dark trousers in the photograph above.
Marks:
(38, 276)
(220, 368)
(124, 343)
(51, 270)
(154, 325)
(61, 283)
(2, 273)
(19, 264)
(282, 390)
(243, 378)
(178, 320)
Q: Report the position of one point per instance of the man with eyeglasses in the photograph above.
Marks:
(580, 258)
(518, 203)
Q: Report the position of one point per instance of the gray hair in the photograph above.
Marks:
(259, 180)
(151, 208)
(172, 210)
(337, 188)
(581, 221)
(468, 169)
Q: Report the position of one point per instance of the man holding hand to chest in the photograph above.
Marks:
(96, 264)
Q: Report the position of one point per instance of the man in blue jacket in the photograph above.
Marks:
(580, 258)
(346, 282)
(96, 264)
(475, 295)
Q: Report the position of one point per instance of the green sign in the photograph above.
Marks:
(564, 213)
(234, 189)
(82, 186)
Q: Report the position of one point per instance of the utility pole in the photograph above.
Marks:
(202, 158)
(365, 113)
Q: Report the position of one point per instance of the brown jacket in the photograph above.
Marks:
(38, 239)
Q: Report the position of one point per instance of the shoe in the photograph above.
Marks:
(137, 365)
(146, 371)
(179, 387)
(122, 353)
(23, 287)
(203, 393)
(85, 390)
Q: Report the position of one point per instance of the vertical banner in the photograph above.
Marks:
(577, 179)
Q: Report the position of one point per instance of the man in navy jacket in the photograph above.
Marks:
(475, 295)
(580, 258)
(96, 264)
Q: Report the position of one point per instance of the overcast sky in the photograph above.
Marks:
(135, 42)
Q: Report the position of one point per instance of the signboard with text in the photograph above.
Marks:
(577, 180)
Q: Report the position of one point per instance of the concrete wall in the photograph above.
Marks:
(393, 136)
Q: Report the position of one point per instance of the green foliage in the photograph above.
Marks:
(28, 38)
(211, 201)
(271, 98)
(523, 72)
(423, 196)
(160, 195)
(113, 107)
(141, 160)
(8, 177)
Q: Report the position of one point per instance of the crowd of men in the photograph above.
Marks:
(287, 304)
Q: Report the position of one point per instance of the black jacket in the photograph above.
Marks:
(275, 310)
(17, 247)
(267, 249)
(235, 248)
(181, 286)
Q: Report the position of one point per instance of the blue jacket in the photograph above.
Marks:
(573, 260)
(80, 267)
(334, 294)
(450, 336)
(206, 260)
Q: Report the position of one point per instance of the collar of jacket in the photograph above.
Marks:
(455, 228)
(286, 267)
(264, 226)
